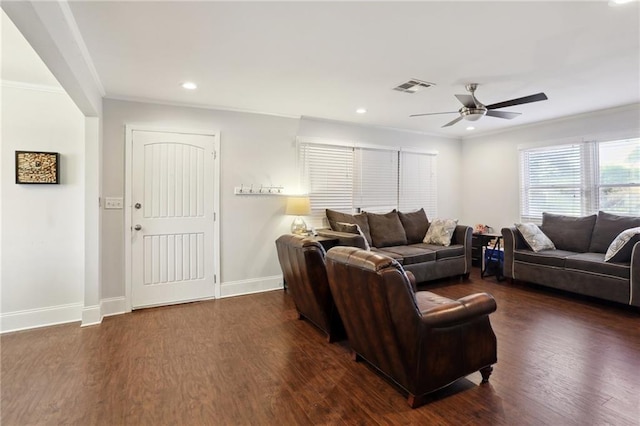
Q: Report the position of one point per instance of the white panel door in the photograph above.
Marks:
(172, 218)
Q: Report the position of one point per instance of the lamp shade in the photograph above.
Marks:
(298, 206)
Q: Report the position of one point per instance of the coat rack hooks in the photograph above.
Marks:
(258, 190)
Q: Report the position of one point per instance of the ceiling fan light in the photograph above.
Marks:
(473, 117)
(473, 114)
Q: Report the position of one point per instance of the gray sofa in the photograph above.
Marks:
(399, 236)
(577, 263)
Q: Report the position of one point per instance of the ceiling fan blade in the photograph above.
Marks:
(433, 113)
(466, 100)
(519, 101)
(451, 123)
(503, 114)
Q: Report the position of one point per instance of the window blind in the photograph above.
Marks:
(376, 180)
(350, 179)
(418, 185)
(327, 174)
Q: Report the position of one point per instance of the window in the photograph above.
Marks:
(349, 179)
(580, 179)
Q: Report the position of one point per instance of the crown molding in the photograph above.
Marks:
(31, 86)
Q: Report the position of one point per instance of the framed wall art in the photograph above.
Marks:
(37, 167)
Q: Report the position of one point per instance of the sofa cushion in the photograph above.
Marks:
(386, 230)
(415, 225)
(594, 263)
(352, 228)
(392, 255)
(607, 228)
(568, 232)
(412, 254)
(360, 219)
(443, 252)
(440, 232)
(534, 237)
(546, 257)
(621, 248)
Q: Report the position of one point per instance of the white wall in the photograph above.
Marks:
(42, 225)
(449, 153)
(490, 174)
(255, 149)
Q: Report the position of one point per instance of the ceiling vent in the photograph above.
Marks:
(413, 86)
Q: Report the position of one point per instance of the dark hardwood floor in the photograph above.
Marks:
(562, 360)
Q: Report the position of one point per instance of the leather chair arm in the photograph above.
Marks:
(441, 312)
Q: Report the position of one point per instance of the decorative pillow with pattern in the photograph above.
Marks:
(440, 232)
(621, 247)
(352, 228)
(534, 237)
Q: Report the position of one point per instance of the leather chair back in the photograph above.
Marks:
(381, 316)
(302, 261)
(421, 341)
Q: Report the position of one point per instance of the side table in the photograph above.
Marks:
(325, 242)
(477, 242)
(493, 260)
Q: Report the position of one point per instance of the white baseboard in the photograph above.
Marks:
(254, 285)
(113, 306)
(41, 317)
(91, 315)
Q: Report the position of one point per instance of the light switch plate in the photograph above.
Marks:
(113, 203)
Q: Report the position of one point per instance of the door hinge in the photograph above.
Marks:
(214, 216)
(215, 154)
(215, 279)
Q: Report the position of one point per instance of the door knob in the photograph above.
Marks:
(137, 227)
(137, 205)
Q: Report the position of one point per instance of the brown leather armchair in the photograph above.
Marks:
(303, 267)
(421, 341)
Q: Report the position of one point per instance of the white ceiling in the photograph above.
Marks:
(325, 59)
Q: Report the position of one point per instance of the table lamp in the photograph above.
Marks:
(298, 206)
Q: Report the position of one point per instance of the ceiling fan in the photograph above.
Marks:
(474, 110)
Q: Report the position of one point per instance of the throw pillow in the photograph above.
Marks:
(415, 225)
(440, 232)
(621, 247)
(360, 219)
(534, 237)
(607, 227)
(568, 232)
(352, 228)
(386, 230)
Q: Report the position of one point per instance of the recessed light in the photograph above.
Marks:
(189, 85)
(361, 110)
(470, 128)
